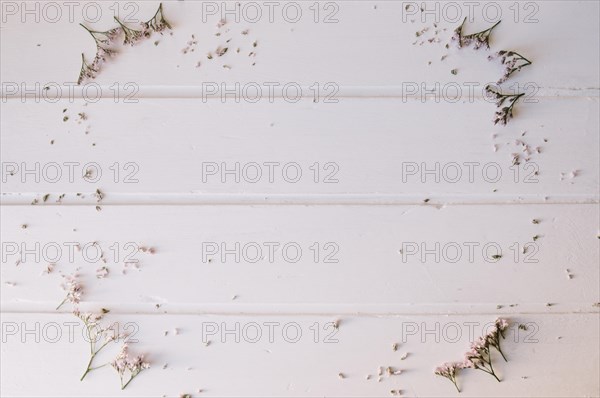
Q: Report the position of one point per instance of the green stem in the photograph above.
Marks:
(65, 300)
(155, 14)
(98, 367)
(88, 369)
(523, 58)
(93, 352)
(125, 28)
(514, 101)
(119, 22)
(92, 33)
(492, 369)
(455, 385)
(126, 384)
(496, 24)
(500, 350)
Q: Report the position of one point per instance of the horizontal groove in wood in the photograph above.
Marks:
(191, 199)
(425, 94)
(311, 309)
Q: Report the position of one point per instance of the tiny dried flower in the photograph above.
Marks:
(49, 268)
(220, 51)
(392, 372)
(102, 272)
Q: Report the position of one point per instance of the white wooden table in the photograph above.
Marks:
(297, 239)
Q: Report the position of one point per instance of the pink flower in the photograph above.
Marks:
(501, 324)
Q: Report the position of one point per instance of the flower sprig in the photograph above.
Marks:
(107, 39)
(95, 334)
(157, 23)
(496, 334)
(480, 358)
(503, 113)
(103, 52)
(74, 290)
(132, 36)
(512, 62)
(450, 370)
(479, 355)
(99, 336)
(478, 40)
(103, 38)
(124, 364)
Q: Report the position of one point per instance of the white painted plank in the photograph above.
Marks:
(539, 358)
(359, 266)
(355, 147)
(370, 45)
